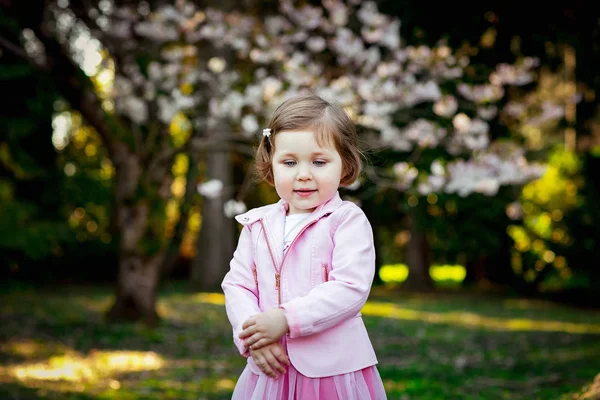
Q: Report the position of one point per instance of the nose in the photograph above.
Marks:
(304, 174)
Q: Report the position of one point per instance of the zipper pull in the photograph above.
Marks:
(325, 272)
(277, 281)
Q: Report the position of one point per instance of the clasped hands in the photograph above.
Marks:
(261, 334)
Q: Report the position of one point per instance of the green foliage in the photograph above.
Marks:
(46, 211)
(556, 246)
(22, 229)
(30, 230)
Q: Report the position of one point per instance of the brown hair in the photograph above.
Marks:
(329, 123)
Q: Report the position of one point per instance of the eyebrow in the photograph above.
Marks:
(315, 153)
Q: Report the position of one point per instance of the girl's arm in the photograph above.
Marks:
(351, 277)
(239, 286)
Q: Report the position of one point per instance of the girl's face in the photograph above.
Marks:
(306, 175)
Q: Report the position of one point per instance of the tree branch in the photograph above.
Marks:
(16, 50)
(77, 89)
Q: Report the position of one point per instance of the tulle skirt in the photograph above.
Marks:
(365, 384)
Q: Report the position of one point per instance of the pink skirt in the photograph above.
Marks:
(365, 384)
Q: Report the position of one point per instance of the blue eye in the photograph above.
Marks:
(289, 163)
(319, 163)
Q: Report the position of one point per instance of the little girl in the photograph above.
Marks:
(304, 266)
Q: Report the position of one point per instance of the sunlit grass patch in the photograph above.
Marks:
(94, 367)
(448, 273)
(395, 273)
(211, 298)
(391, 310)
(442, 275)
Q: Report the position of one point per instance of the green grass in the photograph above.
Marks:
(54, 345)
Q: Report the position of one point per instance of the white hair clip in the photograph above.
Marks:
(267, 132)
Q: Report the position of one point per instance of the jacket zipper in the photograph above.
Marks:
(280, 271)
(255, 273)
(274, 263)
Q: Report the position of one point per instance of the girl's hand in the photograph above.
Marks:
(271, 358)
(264, 328)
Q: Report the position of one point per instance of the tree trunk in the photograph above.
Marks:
(497, 267)
(216, 239)
(475, 271)
(142, 177)
(136, 290)
(418, 258)
(139, 267)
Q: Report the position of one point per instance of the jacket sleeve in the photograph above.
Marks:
(351, 277)
(240, 289)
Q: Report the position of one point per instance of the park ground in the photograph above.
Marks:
(449, 345)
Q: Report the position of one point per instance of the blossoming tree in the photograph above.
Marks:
(417, 101)
(220, 74)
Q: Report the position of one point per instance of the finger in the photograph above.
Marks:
(266, 368)
(249, 322)
(252, 340)
(276, 365)
(247, 332)
(260, 342)
(281, 356)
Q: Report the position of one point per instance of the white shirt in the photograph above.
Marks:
(293, 224)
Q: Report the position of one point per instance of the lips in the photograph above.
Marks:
(305, 192)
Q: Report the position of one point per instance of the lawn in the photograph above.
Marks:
(54, 345)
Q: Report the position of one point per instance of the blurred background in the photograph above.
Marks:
(127, 136)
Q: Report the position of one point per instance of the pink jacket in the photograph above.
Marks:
(322, 283)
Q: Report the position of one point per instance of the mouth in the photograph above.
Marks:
(304, 192)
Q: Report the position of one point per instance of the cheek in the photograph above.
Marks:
(335, 175)
(279, 177)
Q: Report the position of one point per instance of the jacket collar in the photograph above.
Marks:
(281, 206)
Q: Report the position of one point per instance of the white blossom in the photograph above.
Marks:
(156, 31)
(249, 125)
(211, 189)
(316, 44)
(136, 109)
(120, 29)
(338, 13)
(437, 168)
(405, 175)
(514, 210)
(424, 188)
(481, 93)
(274, 25)
(149, 91)
(232, 208)
(216, 65)
(167, 108)
(445, 106)
(154, 71)
(424, 133)
(461, 122)
(487, 113)
(369, 15)
(515, 109)
(487, 186)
